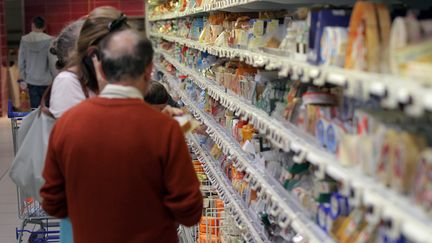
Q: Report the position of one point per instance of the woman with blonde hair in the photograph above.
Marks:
(79, 80)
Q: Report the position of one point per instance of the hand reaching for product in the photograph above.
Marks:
(186, 121)
(171, 111)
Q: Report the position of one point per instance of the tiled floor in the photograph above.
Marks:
(8, 196)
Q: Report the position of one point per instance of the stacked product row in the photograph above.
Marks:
(385, 144)
(362, 39)
(342, 126)
(311, 156)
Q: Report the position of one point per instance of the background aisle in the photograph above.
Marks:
(8, 197)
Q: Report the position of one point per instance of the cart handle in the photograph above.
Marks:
(15, 114)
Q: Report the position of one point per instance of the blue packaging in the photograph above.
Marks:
(318, 21)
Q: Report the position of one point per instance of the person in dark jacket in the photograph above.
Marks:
(158, 96)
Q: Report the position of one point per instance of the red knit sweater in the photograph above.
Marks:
(122, 172)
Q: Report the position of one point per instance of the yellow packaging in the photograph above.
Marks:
(368, 234)
(247, 133)
(337, 225)
(363, 41)
(205, 36)
(350, 225)
(356, 234)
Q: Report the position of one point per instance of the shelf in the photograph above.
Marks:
(266, 5)
(284, 205)
(189, 12)
(393, 91)
(246, 6)
(238, 209)
(411, 220)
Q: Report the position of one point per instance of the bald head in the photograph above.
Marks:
(125, 56)
(121, 43)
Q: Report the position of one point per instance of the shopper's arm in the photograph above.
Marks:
(183, 196)
(53, 191)
(21, 60)
(172, 111)
(66, 92)
(52, 65)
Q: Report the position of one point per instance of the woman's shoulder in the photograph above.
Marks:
(66, 74)
(66, 78)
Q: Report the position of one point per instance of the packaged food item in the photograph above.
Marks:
(241, 31)
(256, 34)
(405, 161)
(197, 28)
(322, 217)
(187, 123)
(333, 46)
(311, 118)
(363, 41)
(334, 133)
(273, 33)
(214, 27)
(319, 19)
(383, 16)
(293, 100)
(351, 226)
(247, 133)
(422, 187)
(295, 41)
(182, 4)
(318, 97)
(388, 151)
(368, 234)
(398, 40)
(339, 211)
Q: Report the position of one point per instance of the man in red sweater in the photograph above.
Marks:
(117, 167)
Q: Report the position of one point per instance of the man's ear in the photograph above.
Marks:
(93, 51)
(100, 75)
(148, 71)
(146, 79)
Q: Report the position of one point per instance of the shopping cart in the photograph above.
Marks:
(215, 225)
(40, 227)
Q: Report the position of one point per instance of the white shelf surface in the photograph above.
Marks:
(251, 231)
(412, 220)
(284, 204)
(245, 6)
(391, 89)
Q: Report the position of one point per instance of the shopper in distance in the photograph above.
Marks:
(36, 64)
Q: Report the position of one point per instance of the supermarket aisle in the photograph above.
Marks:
(8, 200)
